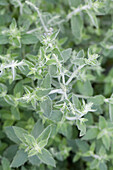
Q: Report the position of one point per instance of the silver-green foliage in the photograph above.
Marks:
(49, 65)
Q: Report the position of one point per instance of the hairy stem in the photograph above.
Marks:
(39, 14)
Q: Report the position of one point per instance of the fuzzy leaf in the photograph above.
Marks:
(106, 141)
(5, 164)
(46, 107)
(56, 115)
(77, 26)
(47, 158)
(38, 128)
(10, 100)
(97, 100)
(45, 134)
(34, 160)
(29, 39)
(102, 166)
(93, 18)
(3, 39)
(19, 159)
(66, 54)
(91, 134)
(20, 133)
(85, 88)
(102, 122)
(11, 134)
(46, 82)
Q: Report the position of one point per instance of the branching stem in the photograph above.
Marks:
(77, 10)
(39, 14)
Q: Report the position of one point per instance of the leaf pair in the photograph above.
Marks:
(32, 145)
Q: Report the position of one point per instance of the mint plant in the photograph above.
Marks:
(56, 102)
